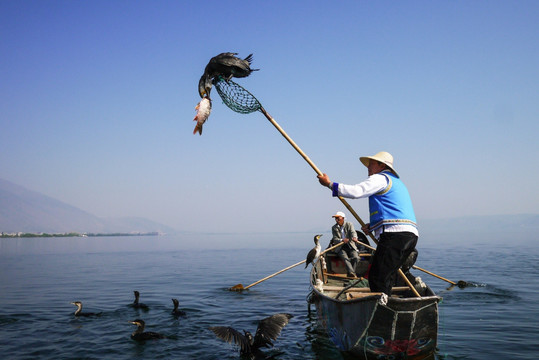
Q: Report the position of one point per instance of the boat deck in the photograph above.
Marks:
(336, 284)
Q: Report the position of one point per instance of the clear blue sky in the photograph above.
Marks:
(97, 100)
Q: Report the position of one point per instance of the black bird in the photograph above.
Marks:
(315, 251)
(176, 311)
(226, 65)
(141, 335)
(268, 330)
(79, 312)
(136, 304)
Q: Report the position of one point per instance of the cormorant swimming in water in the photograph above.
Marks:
(79, 312)
(141, 335)
(315, 252)
(138, 305)
(227, 65)
(176, 311)
(268, 330)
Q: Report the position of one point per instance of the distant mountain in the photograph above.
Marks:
(23, 210)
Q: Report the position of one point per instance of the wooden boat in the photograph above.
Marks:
(372, 325)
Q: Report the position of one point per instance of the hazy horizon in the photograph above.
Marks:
(172, 242)
(98, 100)
(27, 211)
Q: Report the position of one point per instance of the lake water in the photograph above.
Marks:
(496, 319)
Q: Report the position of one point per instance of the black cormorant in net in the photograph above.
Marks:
(226, 65)
(268, 330)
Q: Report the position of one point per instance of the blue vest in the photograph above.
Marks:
(392, 205)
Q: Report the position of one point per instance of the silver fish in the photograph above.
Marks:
(203, 113)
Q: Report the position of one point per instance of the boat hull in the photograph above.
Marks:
(379, 327)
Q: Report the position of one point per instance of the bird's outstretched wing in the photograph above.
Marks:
(269, 329)
(232, 336)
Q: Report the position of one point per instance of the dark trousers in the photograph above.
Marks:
(350, 258)
(390, 254)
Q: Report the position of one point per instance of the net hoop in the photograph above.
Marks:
(236, 97)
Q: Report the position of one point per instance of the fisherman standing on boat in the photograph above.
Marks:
(392, 217)
(344, 231)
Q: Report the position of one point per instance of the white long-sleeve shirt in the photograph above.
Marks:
(372, 185)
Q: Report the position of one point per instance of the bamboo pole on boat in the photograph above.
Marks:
(460, 283)
(439, 277)
(318, 172)
(240, 287)
(242, 101)
(345, 203)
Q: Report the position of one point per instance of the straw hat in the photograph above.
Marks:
(383, 157)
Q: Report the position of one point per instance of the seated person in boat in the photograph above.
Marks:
(344, 231)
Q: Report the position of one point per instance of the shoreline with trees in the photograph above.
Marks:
(75, 234)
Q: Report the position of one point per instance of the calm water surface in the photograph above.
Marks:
(496, 319)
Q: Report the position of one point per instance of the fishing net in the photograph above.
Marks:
(236, 97)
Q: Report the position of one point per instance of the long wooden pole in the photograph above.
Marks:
(240, 287)
(433, 274)
(318, 172)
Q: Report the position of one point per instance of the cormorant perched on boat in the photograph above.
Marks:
(79, 312)
(268, 330)
(141, 335)
(176, 311)
(227, 65)
(138, 305)
(315, 251)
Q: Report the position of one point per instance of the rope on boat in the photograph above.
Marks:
(368, 325)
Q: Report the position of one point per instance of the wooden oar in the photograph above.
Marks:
(318, 172)
(240, 287)
(460, 283)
